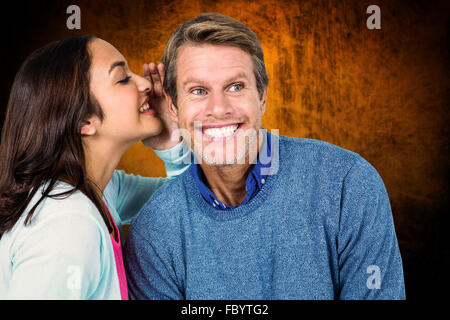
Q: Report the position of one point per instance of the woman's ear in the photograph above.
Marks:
(173, 110)
(89, 127)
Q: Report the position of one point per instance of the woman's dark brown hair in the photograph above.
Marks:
(41, 142)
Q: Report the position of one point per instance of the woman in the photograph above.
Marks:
(74, 109)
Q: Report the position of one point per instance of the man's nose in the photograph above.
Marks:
(218, 105)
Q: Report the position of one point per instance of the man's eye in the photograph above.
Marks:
(236, 87)
(124, 80)
(198, 91)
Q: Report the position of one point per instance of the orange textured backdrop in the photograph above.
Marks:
(381, 93)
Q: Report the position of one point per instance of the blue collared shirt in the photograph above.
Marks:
(254, 182)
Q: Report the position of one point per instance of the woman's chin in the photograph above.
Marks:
(153, 126)
(150, 135)
(153, 132)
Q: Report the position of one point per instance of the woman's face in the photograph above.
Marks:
(121, 95)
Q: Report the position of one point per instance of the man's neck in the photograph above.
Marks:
(228, 182)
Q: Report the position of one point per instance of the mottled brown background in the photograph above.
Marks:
(381, 93)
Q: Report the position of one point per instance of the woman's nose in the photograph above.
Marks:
(143, 84)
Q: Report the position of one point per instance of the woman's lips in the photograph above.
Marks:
(145, 107)
(149, 112)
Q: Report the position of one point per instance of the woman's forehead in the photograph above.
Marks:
(104, 54)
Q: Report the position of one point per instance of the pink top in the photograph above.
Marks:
(117, 247)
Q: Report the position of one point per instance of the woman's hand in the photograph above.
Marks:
(158, 102)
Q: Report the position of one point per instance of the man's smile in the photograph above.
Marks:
(219, 131)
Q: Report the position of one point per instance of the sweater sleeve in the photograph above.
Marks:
(150, 269)
(369, 257)
(131, 192)
(54, 262)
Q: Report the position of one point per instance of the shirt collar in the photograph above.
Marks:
(254, 182)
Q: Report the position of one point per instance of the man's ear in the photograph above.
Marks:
(264, 100)
(89, 126)
(173, 110)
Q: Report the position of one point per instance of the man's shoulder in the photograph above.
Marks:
(165, 205)
(317, 155)
(330, 160)
(314, 146)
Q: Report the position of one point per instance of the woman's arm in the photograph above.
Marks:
(130, 192)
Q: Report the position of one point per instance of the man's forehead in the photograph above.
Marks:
(204, 62)
(208, 49)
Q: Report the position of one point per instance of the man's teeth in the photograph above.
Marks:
(144, 108)
(221, 132)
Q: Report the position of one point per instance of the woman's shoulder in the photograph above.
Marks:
(70, 225)
(59, 205)
(63, 234)
(60, 215)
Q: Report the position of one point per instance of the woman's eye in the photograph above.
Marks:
(124, 80)
(199, 91)
(236, 87)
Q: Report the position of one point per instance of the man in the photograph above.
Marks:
(297, 219)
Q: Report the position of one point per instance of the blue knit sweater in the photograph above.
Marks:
(320, 228)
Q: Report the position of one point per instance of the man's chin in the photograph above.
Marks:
(219, 162)
(221, 159)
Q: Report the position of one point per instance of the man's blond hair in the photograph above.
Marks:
(216, 29)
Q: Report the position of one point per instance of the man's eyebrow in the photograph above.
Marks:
(190, 80)
(238, 76)
(116, 64)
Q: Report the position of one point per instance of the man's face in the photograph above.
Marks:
(218, 102)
